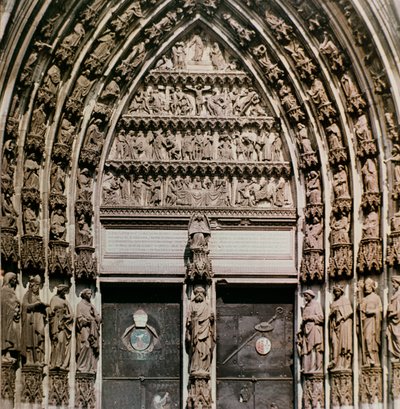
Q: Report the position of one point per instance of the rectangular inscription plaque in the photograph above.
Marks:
(165, 251)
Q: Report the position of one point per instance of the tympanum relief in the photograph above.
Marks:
(198, 135)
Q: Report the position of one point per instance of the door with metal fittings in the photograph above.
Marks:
(255, 348)
(141, 351)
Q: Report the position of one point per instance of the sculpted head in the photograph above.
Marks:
(10, 280)
(34, 283)
(308, 295)
(86, 294)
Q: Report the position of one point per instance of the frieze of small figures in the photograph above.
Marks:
(196, 191)
(263, 147)
(85, 267)
(192, 102)
(59, 258)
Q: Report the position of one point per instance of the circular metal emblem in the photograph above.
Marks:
(263, 345)
(140, 339)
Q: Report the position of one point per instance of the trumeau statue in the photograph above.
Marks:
(87, 334)
(341, 330)
(393, 318)
(60, 322)
(10, 318)
(200, 333)
(310, 337)
(370, 321)
(34, 317)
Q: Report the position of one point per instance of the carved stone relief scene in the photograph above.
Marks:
(200, 204)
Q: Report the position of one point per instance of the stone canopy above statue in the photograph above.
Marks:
(198, 134)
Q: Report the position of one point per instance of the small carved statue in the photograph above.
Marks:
(197, 43)
(313, 188)
(393, 318)
(217, 58)
(340, 227)
(370, 176)
(10, 318)
(87, 333)
(370, 228)
(34, 317)
(341, 330)
(200, 333)
(61, 319)
(310, 337)
(370, 308)
(58, 222)
(341, 184)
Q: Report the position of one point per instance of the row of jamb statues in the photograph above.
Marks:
(310, 337)
(23, 327)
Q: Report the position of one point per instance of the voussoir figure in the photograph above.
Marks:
(393, 318)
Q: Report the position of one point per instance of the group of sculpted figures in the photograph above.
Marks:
(197, 191)
(369, 317)
(196, 100)
(23, 326)
(250, 146)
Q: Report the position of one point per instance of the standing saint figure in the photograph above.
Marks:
(341, 330)
(10, 318)
(61, 319)
(200, 333)
(310, 336)
(87, 333)
(34, 318)
(370, 324)
(393, 317)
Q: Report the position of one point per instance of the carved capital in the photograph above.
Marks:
(341, 261)
(83, 207)
(371, 201)
(342, 206)
(308, 161)
(338, 156)
(89, 157)
(8, 382)
(58, 388)
(366, 149)
(84, 391)
(59, 261)
(393, 249)
(313, 391)
(9, 245)
(369, 260)
(371, 385)
(32, 391)
(341, 388)
(312, 266)
(57, 201)
(32, 253)
(314, 210)
(85, 263)
(61, 153)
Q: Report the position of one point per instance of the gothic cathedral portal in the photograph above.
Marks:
(200, 204)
